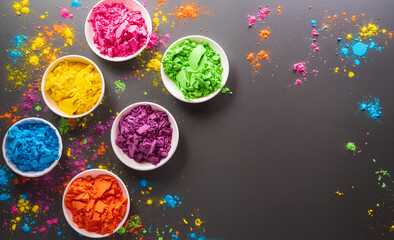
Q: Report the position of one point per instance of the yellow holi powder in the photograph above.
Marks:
(370, 212)
(198, 222)
(149, 202)
(42, 16)
(76, 87)
(369, 30)
(349, 36)
(33, 60)
(154, 63)
(338, 193)
(66, 32)
(351, 74)
(184, 220)
(21, 7)
(16, 76)
(38, 43)
(25, 10)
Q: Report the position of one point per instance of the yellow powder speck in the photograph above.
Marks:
(162, 202)
(33, 60)
(149, 202)
(370, 212)
(351, 74)
(25, 10)
(42, 16)
(21, 209)
(336, 70)
(38, 43)
(24, 2)
(75, 87)
(198, 222)
(184, 220)
(369, 30)
(384, 30)
(349, 36)
(164, 19)
(17, 6)
(13, 227)
(35, 208)
(69, 152)
(154, 63)
(338, 193)
(17, 219)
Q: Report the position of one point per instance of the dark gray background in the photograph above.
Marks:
(265, 162)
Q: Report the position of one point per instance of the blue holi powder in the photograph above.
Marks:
(4, 196)
(339, 39)
(357, 62)
(372, 45)
(371, 108)
(196, 237)
(313, 22)
(172, 201)
(88, 167)
(26, 228)
(19, 40)
(174, 236)
(59, 233)
(75, 3)
(344, 51)
(143, 183)
(3, 177)
(359, 49)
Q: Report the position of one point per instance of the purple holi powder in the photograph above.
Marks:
(145, 134)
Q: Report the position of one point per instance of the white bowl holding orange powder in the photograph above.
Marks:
(94, 173)
(51, 103)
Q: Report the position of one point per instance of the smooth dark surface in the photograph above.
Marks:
(266, 161)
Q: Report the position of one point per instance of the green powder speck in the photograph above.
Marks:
(120, 86)
(145, 93)
(84, 141)
(373, 160)
(38, 108)
(64, 126)
(351, 146)
(195, 68)
(121, 230)
(225, 90)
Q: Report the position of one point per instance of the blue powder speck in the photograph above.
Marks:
(372, 45)
(4, 196)
(344, 51)
(313, 22)
(75, 3)
(372, 108)
(26, 228)
(3, 177)
(357, 62)
(171, 201)
(143, 183)
(174, 236)
(59, 233)
(88, 167)
(359, 49)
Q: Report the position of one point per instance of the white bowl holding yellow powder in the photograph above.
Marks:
(76, 76)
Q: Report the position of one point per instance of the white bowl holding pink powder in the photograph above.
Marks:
(131, 163)
(130, 4)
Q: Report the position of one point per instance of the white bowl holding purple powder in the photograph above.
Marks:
(118, 132)
(32, 174)
(129, 4)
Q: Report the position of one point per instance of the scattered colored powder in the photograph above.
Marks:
(5, 197)
(38, 108)
(195, 68)
(21, 7)
(314, 32)
(351, 146)
(64, 126)
(26, 228)
(313, 22)
(38, 43)
(369, 30)
(263, 12)
(252, 20)
(359, 49)
(254, 60)
(226, 90)
(351, 74)
(381, 175)
(154, 63)
(297, 82)
(145, 135)
(34, 60)
(119, 31)
(188, 11)
(143, 183)
(65, 31)
(371, 107)
(338, 193)
(64, 12)
(279, 9)
(172, 201)
(357, 62)
(300, 68)
(76, 87)
(349, 36)
(370, 212)
(97, 204)
(102, 128)
(198, 222)
(264, 33)
(32, 146)
(75, 3)
(119, 86)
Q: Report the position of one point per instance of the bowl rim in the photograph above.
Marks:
(225, 73)
(103, 172)
(32, 174)
(131, 163)
(93, 46)
(44, 94)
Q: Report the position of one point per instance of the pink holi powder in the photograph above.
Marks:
(315, 47)
(43, 229)
(263, 12)
(14, 209)
(144, 4)
(64, 12)
(300, 68)
(167, 36)
(252, 20)
(71, 16)
(119, 31)
(297, 82)
(53, 221)
(314, 32)
(152, 41)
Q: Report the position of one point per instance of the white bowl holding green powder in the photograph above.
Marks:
(192, 71)
(88, 82)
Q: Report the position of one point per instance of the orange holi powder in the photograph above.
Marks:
(264, 33)
(190, 10)
(279, 9)
(97, 204)
(254, 60)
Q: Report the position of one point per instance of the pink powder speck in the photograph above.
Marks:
(167, 36)
(315, 47)
(314, 32)
(300, 68)
(14, 209)
(43, 229)
(252, 20)
(263, 12)
(71, 16)
(64, 12)
(46, 208)
(162, 42)
(152, 41)
(145, 3)
(297, 82)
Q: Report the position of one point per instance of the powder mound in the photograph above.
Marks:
(195, 68)
(145, 134)
(372, 108)
(119, 31)
(97, 204)
(32, 146)
(188, 11)
(300, 68)
(76, 87)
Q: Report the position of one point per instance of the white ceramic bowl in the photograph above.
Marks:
(131, 4)
(94, 173)
(145, 166)
(32, 174)
(174, 90)
(49, 100)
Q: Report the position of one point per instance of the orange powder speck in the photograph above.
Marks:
(102, 149)
(335, 16)
(390, 35)
(189, 10)
(329, 17)
(97, 204)
(354, 18)
(262, 54)
(250, 57)
(264, 33)
(279, 9)
(346, 19)
(6, 115)
(344, 13)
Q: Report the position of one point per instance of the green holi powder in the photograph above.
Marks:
(351, 146)
(38, 108)
(381, 175)
(373, 160)
(64, 126)
(145, 93)
(121, 230)
(84, 141)
(120, 86)
(195, 68)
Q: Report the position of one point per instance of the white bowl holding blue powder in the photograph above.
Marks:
(11, 162)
